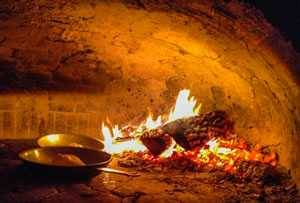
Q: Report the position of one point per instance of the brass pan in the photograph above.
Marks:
(70, 140)
(66, 157)
(70, 161)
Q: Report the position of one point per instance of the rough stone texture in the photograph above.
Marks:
(67, 65)
(21, 183)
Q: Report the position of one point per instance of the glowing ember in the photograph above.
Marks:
(168, 152)
(217, 153)
(184, 107)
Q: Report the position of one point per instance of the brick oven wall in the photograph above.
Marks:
(30, 116)
(66, 66)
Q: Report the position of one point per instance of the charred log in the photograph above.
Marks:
(156, 141)
(189, 132)
(196, 131)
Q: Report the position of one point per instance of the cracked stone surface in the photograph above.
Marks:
(65, 66)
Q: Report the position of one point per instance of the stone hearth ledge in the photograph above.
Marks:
(20, 184)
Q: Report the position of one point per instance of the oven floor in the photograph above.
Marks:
(22, 184)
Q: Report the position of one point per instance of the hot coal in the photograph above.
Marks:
(252, 180)
(207, 144)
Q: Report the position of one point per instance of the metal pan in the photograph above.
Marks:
(66, 157)
(70, 160)
(70, 140)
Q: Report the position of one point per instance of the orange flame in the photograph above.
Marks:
(216, 153)
(184, 107)
(114, 147)
(227, 153)
(152, 124)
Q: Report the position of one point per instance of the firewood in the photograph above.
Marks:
(196, 131)
(156, 141)
(189, 132)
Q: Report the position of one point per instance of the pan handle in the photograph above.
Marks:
(116, 171)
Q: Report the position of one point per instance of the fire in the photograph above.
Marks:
(184, 107)
(227, 154)
(216, 153)
(152, 124)
(168, 152)
(114, 147)
(214, 146)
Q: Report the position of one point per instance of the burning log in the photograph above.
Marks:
(156, 141)
(189, 133)
(196, 131)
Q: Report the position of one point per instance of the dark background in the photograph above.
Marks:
(282, 14)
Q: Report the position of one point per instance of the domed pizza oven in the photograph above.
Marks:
(68, 67)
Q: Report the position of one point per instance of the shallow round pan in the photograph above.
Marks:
(66, 157)
(70, 140)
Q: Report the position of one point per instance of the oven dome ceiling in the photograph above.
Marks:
(117, 59)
